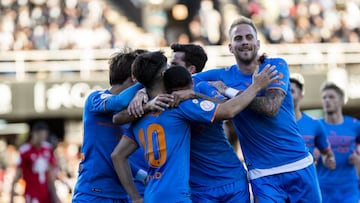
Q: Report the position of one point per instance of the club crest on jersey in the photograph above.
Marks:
(207, 105)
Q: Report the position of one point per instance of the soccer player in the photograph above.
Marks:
(97, 180)
(36, 166)
(341, 184)
(277, 159)
(216, 173)
(165, 135)
(311, 129)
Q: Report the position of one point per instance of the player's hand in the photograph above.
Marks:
(354, 159)
(317, 155)
(159, 103)
(330, 162)
(219, 85)
(264, 78)
(181, 95)
(138, 200)
(135, 107)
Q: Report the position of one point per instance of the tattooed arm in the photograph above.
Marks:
(270, 103)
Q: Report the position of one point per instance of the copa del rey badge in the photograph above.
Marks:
(207, 105)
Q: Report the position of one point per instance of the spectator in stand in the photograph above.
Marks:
(281, 21)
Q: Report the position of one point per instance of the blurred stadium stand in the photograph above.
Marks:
(54, 52)
(55, 83)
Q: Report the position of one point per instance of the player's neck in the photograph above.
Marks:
(116, 89)
(247, 68)
(298, 114)
(334, 117)
(156, 90)
(36, 144)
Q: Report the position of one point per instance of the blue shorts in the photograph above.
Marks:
(86, 198)
(235, 192)
(301, 186)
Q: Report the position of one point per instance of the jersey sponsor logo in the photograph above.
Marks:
(157, 175)
(207, 105)
(195, 101)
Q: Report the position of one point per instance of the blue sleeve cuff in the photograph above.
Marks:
(122, 100)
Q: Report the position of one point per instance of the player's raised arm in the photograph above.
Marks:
(233, 106)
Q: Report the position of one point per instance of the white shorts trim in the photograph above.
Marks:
(297, 165)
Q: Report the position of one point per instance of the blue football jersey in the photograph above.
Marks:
(165, 139)
(213, 160)
(267, 142)
(313, 132)
(344, 178)
(96, 174)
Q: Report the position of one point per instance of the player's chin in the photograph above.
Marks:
(247, 56)
(246, 60)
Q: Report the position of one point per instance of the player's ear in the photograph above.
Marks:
(230, 48)
(258, 45)
(192, 69)
(133, 78)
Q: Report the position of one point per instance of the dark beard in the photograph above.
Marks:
(329, 113)
(248, 61)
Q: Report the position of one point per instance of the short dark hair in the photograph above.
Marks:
(297, 83)
(194, 55)
(332, 86)
(146, 67)
(176, 77)
(39, 125)
(120, 65)
(242, 20)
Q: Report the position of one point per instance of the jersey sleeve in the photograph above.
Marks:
(135, 160)
(135, 168)
(128, 134)
(321, 141)
(199, 110)
(205, 88)
(282, 67)
(22, 155)
(210, 75)
(122, 100)
(103, 101)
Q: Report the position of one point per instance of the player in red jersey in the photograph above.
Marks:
(36, 166)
